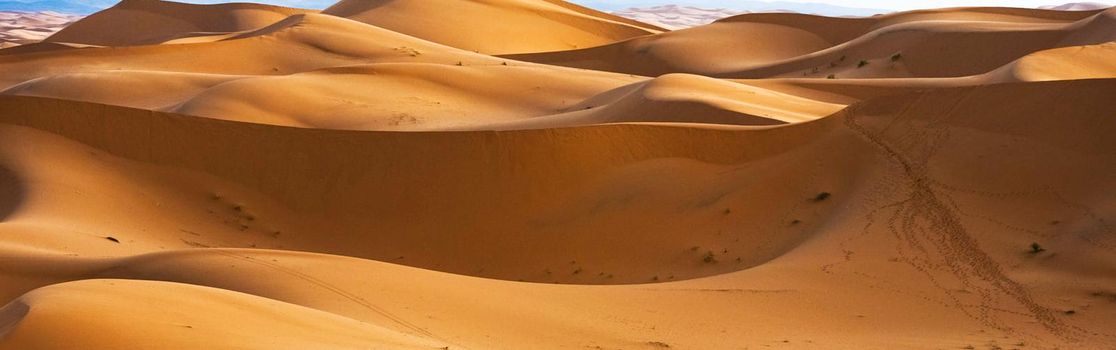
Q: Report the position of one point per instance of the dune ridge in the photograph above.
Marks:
(539, 25)
(371, 176)
(937, 43)
(972, 124)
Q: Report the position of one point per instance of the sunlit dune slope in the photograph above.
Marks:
(143, 22)
(419, 96)
(597, 181)
(683, 98)
(178, 316)
(1075, 62)
(245, 176)
(938, 43)
(296, 44)
(1068, 63)
(392, 82)
(495, 26)
(919, 217)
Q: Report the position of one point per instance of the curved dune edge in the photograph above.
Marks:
(94, 313)
(918, 44)
(1075, 62)
(429, 97)
(302, 43)
(468, 25)
(578, 190)
(146, 22)
(299, 180)
(393, 82)
(884, 169)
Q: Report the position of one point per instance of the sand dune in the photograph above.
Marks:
(939, 43)
(254, 177)
(142, 22)
(189, 317)
(18, 28)
(934, 180)
(392, 82)
(523, 25)
(1074, 62)
(296, 44)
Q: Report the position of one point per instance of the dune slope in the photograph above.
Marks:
(523, 25)
(938, 43)
(245, 176)
(189, 317)
(144, 22)
(916, 211)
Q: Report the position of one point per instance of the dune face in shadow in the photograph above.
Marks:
(11, 192)
(257, 177)
(10, 317)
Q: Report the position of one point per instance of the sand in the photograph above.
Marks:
(18, 28)
(330, 183)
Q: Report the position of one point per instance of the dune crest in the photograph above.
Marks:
(144, 22)
(921, 44)
(374, 176)
(539, 25)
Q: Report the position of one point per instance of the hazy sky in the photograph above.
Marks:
(891, 5)
(93, 5)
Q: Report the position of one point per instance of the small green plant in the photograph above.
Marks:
(862, 64)
(1036, 248)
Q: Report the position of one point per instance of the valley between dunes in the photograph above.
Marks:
(531, 174)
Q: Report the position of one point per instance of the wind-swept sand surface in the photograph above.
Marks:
(255, 177)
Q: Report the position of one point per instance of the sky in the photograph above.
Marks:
(86, 6)
(871, 4)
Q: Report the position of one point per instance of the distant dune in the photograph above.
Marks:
(1078, 6)
(17, 28)
(155, 21)
(923, 44)
(531, 174)
(677, 17)
(680, 17)
(485, 26)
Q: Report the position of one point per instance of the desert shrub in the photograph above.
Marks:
(1036, 248)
